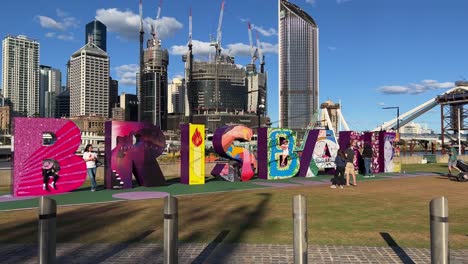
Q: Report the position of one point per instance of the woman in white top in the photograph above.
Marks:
(90, 157)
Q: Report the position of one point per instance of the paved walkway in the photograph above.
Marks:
(222, 253)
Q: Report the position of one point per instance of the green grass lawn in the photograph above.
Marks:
(431, 167)
(350, 216)
(82, 195)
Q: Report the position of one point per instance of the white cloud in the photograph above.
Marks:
(381, 104)
(269, 48)
(199, 48)
(63, 22)
(47, 22)
(415, 88)
(126, 74)
(50, 34)
(238, 49)
(61, 13)
(265, 32)
(202, 48)
(66, 37)
(127, 24)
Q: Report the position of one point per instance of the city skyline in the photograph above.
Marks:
(372, 54)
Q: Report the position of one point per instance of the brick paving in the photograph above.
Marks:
(222, 253)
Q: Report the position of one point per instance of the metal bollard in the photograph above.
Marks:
(47, 233)
(171, 230)
(300, 229)
(440, 253)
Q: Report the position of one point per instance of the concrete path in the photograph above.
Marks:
(222, 253)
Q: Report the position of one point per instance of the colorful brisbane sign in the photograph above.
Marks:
(132, 149)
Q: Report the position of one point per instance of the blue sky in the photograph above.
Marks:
(373, 53)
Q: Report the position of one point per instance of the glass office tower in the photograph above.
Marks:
(298, 67)
(98, 31)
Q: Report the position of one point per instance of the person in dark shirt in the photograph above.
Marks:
(340, 162)
(349, 169)
(367, 155)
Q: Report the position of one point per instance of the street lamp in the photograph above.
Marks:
(398, 116)
(260, 109)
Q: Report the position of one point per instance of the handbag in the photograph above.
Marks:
(98, 163)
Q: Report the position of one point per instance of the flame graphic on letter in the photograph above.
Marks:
(197, 140)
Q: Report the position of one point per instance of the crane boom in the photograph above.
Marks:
(141, 16)
(159, 10)
(260, 54)
(220, 23)
(252, 53)
(190, 27)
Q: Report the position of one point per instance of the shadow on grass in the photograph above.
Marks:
(71, 227)
(396, 248)
(242, 220)
(210, 247)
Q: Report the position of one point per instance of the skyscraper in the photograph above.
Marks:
(50, 83)
(98, 32)
(89, 82)
(62, 104)
(113, 94)
(20, 80)
(298, 67)
(129, 103)
(176, 96)
(153, 93)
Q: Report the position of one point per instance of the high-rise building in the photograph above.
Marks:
(129, 103)
(20, 80)
(298, 67)
(118, 113)
(89, 82)
(5, 120)
(153, 93)
(176, 96)
(218, 87)
(62, 104)
(257, 90)
(50, 83)
(97, 31)
(113, 94)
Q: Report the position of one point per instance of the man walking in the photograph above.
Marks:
(452, 160)
(349, 153)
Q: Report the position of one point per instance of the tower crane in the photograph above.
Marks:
(260, 54)
(252, 51)
(217, 43)
(159, 10)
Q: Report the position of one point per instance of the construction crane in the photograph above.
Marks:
(260, 54)
(158, 15)
(159, 10)
(252, 51)
(190, 30)
(190, 58)
(217, 43)
(142, 33)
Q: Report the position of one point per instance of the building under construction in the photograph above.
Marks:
(152, 86)
(222, 93)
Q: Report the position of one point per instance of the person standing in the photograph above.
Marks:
(285, 153)
(90, 157)
(340, 162)
(452, 160)
(367, 154)
(349, 169)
